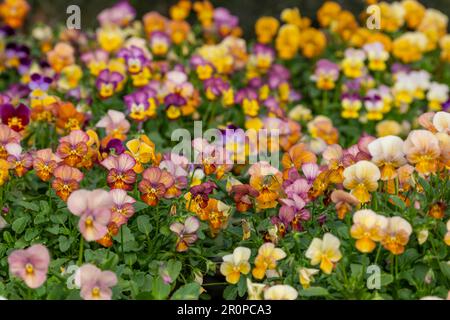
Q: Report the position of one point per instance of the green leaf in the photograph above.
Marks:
(174, 268)
(144, 296)
(27, 205)
(20, 223)
(398, 202)
(190, 291)
(64, 243)
(313, 292)
(160, 289)
(139, 205)
(8, 237)
(242, 286)
(143, 223)
(445, 268)
(230, 292)
(386, 279)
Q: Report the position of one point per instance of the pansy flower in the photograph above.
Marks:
(154, 185)
(107, 83)
(94, 210)
(134, 58)
(186, 233)
(67, 179)
(142, 104)
(122, 208)
(30, 264)
(266, 260)
(16, 118)
(121, 174)
(73, 147)
(94, 283)
(45, 163)
(159, 43)
(324, 252)
(20, 162)
(143, 151)
(235, 264)
(242, 196)
(7, 135)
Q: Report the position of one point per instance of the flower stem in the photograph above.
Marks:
(81, 251)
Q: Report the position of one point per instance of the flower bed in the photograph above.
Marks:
(172, 157)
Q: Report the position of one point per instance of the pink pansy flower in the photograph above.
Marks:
(31, 265)
(115, 124)
(186, 233)
(7, 135)
(121, 174)
(94, 209)
(311, 171)
(176, 165)
(94, 283)
(20, 162)
(122, 208)
(300, 187)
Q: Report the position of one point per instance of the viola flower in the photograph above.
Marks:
(31, 265)
(353, 63)
(267, 259)
(437, 95)
(377, 56)
(67, 179)
(235, 264)
(396, 235)
(324, 252)
(310, 171)
(67, 116)
(361, 178)
(15, 118)
(115, 124)
(20, 162)
(306, 275)
(447, 235)
(94, 283)
(280, 292)
(134, 57)
(255, 290)
(121, 14)
(344, 202)
(159, 43)
(122, 208)
(108, 83)
(186, 233)
(110, 37)
(422, 149)
(322, 127)
(62, 55)
(14, 12)
(114, 146)
(325, 75)
(266, 28)
(297, 156)
(121, 174)
(143, 151)
(387, 154)
(242, 195)
(154, 185)
(176, 165)
(368, 228)
(4, 171)
(374, 105)
(73, 148)
(94, 210)
(351, 104)
(200, 194)
(173, 103)
(142, 104)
